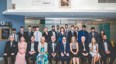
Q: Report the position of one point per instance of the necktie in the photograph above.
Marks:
(53, 47)
(11, 44)
(29, 34)
(64, 48)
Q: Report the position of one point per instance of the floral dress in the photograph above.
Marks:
(42, 58)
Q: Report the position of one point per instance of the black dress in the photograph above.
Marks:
(74, 49)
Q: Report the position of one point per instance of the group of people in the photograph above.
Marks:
(59, 44)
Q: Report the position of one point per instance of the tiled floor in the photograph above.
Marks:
(2, 62)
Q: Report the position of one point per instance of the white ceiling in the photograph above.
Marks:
(63, 13)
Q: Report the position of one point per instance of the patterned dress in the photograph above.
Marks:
(42, 58)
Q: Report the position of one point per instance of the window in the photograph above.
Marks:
(106, 1)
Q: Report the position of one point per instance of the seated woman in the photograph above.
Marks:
(20, 57)
(74, 48)
(94, 50)
(42, 57)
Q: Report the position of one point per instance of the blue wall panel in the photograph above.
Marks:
(17, 21)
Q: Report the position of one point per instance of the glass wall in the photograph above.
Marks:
(99, 24)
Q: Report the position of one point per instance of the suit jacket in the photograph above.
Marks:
(66, 32)
(102, 48)
(35, 47)
(96, 36)
(20, 35)
(60, 37)
(46, 37)
(15, 37)
(28, 37)
(67, 48)
(70, 36)
(11, 49)
(51, 34)
(82, 33)
(81, 47)
(50, 48)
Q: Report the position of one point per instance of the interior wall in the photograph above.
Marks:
(17, 21)
(75, 5)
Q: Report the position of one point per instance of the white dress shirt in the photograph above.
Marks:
(106, 46)
(32, 46)
(53, 47)
(38, 36)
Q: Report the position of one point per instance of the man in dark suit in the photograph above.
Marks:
(10, 50)
(71, 33)
(113, 55)
(105, 49)
(93, 34)
(65, 51)
(29, 33)
(77, 30)
(15, 34)
(32, 50)
(52, 33)
(84, 51)
(81, 33)
(21, 33)
(66, 30)
(53, 50)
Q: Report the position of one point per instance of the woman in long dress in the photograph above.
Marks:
(42, 57)
(20, 57)
(94, 50)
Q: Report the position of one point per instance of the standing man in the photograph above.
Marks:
(52, 33)
(29, 33)
(83, 32)
(21, 33)
(71, 33)
(93, 34)
(14, 34)
(77, 30)
(66, 30)
(37, 34)
(10, 50)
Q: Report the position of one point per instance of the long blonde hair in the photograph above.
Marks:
(72, 39)
(93, 43)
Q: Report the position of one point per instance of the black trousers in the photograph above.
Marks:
(6, 59)
(32, 57)
(84, 59)
(104, 57)
(113, 57)
(56, 58)
(65, 58)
